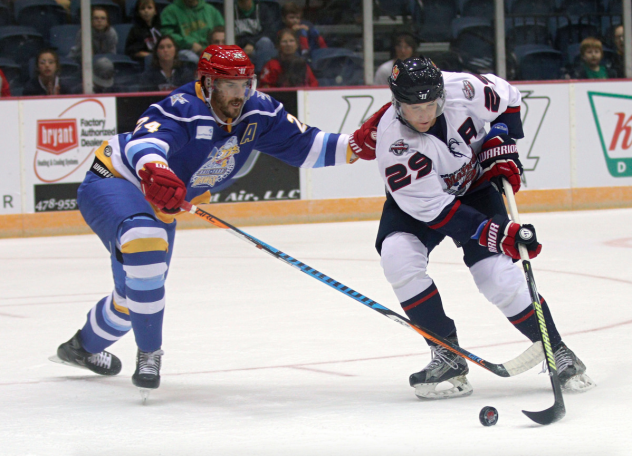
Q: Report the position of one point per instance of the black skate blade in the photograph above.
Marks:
(548, 416)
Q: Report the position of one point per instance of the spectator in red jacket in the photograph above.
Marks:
(288, 69)
(5, 90)
(308, 36)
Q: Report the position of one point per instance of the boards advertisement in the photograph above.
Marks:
(10, 179)
(58, 146)
(604, 134)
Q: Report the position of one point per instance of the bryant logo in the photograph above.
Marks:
(57, 136)
(468, 90)
(395, 72)
(398, 147)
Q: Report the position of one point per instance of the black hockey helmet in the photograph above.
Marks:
(416, 80)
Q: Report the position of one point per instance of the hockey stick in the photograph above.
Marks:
(531, 357)
(557, 411)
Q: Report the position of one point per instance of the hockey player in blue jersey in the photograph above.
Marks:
(187, 146)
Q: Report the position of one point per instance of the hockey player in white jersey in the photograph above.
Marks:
(442, 170)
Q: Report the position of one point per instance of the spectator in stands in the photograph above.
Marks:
(288, 69)
(618, 62)
(217, 36)
(5, 89)
(256, 24)
(404, 46)
(103, 76)
(46, 81)
(590, 65)
(308, 36)
(144, 35)
(104, 37)
(188, 23)
(166, 72)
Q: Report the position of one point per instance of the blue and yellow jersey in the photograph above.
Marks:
(181, 131)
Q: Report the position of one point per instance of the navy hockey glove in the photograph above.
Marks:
(499, 158)
(362, 141)
(162, 187)
(501, 235)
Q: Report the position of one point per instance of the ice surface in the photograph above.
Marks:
(261, 359)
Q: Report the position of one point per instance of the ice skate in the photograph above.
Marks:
(72, 353)
(147, 374)
(571, 371)
(444, 367)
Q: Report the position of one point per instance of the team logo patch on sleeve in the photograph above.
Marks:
(398, 147)
(468, 90)
(178, 98)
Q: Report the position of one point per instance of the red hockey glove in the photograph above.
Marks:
(501, 235)
(162, 187)
(362, 141)
(499, 159)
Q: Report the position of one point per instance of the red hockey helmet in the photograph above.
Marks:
(225, 62)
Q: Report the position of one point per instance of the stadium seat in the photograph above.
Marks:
(62, 37)
(122, 30)
(526, 7)
(39, 14)
(392, 8)
(538, 62)
(528, 30)
(13, 72)
(20, 43)
(114, 11)
(580, 7)
(473, 39)
(337, 67)
(5, 15)
(431, 19)
(478, 8)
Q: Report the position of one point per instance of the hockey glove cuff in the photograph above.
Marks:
(362, 141)
(499, 159)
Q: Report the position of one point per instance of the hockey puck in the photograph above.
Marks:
(488, 416)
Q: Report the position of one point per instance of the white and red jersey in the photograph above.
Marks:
(427, 172)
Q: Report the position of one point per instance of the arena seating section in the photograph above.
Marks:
(543, 36)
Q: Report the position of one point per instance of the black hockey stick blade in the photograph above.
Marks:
(554, 413)
(522, 363)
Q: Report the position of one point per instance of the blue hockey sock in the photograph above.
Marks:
(526, 322)
(105, 325)
(426, 310)
(144, 246)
